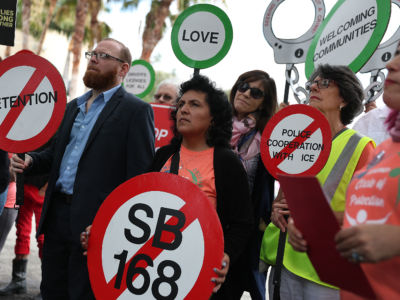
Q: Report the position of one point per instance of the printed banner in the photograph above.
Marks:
(8, 16)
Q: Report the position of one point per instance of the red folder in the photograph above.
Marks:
(313, 216)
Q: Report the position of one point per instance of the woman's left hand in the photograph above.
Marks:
(369, 242)
(221, 273)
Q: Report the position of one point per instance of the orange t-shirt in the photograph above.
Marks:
(197, 167)
(373, 197)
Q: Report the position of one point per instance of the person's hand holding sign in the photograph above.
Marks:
(280, 210)
(84, 238)
(18, 165)
(295, 237)
(369, 242)
(221, 273)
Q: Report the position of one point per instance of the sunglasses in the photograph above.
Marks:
(256, 93)
(321, 84)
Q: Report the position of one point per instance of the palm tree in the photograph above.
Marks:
(52, 6)
(26, 16)
(78, 20)
(155, 24)
(77, 41)
(155, 21)
(95, 32)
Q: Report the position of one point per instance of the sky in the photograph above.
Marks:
(249, 49)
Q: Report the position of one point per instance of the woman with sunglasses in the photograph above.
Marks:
(201, 152)
(337, 93)
(254, 101)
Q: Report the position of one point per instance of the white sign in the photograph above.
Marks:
(201, 36)
(156, 236)
(291, 51)
(296, 141)
(350, 34)
(32, 102)
(140, 78)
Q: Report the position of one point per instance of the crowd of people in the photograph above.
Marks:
(107, 137)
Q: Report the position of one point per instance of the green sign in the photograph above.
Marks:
(140, 78)
(350, 34)
(201, 36)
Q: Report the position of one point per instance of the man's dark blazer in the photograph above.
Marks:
(120, 146)
(4, 171)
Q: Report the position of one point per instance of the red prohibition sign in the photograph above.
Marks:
(296, 141)
(18, 113)
(133, 212)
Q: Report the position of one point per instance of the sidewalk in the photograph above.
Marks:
(34, 271)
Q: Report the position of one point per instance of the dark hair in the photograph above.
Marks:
(220, 131)
(125, 53)
(269, 104)
(350, 89)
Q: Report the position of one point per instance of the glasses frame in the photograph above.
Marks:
(101, 55)
(255, 93)
(165, 96)
(321, 83)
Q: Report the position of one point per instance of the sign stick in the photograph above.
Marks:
(287, 84)
(20, 184)
(278, 266)
(196, 72)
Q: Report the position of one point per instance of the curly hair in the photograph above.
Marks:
(220, 131)
(270, 103)
(350, 89)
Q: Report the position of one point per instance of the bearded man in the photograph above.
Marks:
(106, 138)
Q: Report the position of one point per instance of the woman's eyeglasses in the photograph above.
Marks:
(165, 96)
(101, 55)
(256, 93)
(321, 84)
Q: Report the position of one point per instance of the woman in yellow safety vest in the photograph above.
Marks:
(337, 93)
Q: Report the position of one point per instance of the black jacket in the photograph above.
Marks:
(4, 172)
(120, 146)
(234, 206)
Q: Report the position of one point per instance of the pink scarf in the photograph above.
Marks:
(241, 128)
(393, 123)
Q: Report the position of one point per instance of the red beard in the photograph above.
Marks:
(100, 81)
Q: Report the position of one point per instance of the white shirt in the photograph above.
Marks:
(372, 124)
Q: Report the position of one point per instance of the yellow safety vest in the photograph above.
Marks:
(346, 150)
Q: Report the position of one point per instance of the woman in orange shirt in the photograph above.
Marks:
(202, 134)
(371, 234)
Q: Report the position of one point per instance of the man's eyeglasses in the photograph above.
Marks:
(321, 84)
(165, 96)
(256, 93)
(101, 55)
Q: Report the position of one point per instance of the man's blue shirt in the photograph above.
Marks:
(79, 136)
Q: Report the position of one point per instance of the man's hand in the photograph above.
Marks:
(85, 239)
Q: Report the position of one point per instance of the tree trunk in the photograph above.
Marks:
(52, 6)
(26, 15)
(95, 6)
(77, 40)
(153, 30)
